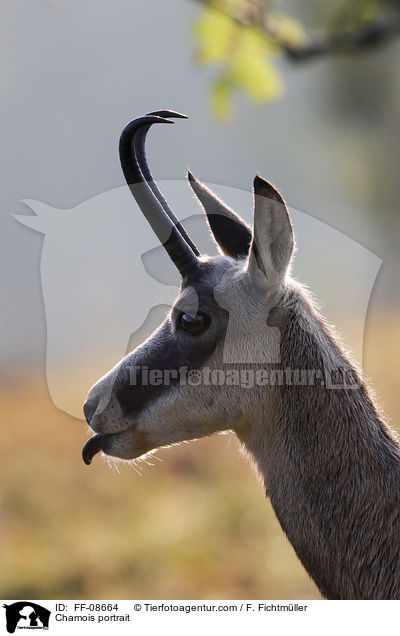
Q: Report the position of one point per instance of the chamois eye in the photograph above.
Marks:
(194, 325)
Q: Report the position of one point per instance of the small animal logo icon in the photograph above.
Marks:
(26, 615)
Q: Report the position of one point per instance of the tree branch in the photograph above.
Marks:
(369, 35)
(376, 33)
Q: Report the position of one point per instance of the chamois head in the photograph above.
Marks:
(155, 396)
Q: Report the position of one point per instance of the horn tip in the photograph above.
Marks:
(168, 113)
(161, 120)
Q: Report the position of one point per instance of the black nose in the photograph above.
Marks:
(89, 409)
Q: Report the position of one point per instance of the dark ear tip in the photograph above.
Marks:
(266, 189)
(194, 184)
(260, 183)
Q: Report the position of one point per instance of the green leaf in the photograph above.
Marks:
(352, 14)
(286, 29)
(252, 67)
(220, 93)
(213, 32)
(245, 56)
(258, 78)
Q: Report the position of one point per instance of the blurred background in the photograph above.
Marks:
(272, 90)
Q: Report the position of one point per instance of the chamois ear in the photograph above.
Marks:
(231, 233)
(272, 246)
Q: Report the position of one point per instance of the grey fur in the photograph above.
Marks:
(330, 465)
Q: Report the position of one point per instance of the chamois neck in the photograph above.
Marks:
(330, 465)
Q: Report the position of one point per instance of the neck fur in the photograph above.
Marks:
(330, 465)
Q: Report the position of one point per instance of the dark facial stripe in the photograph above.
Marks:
(163, 352)
(171, 349)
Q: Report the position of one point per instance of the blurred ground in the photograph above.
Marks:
(194, 526)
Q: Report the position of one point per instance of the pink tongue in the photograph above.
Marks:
(92, 446)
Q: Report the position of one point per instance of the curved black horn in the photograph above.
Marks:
(140, 140)
(165, 229)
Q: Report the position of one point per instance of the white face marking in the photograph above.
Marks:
(183, 411)
(236, 297)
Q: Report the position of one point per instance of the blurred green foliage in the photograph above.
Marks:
(245, 56)
(351, 13)
(243, 40)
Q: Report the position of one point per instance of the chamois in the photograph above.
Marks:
(329, 463)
